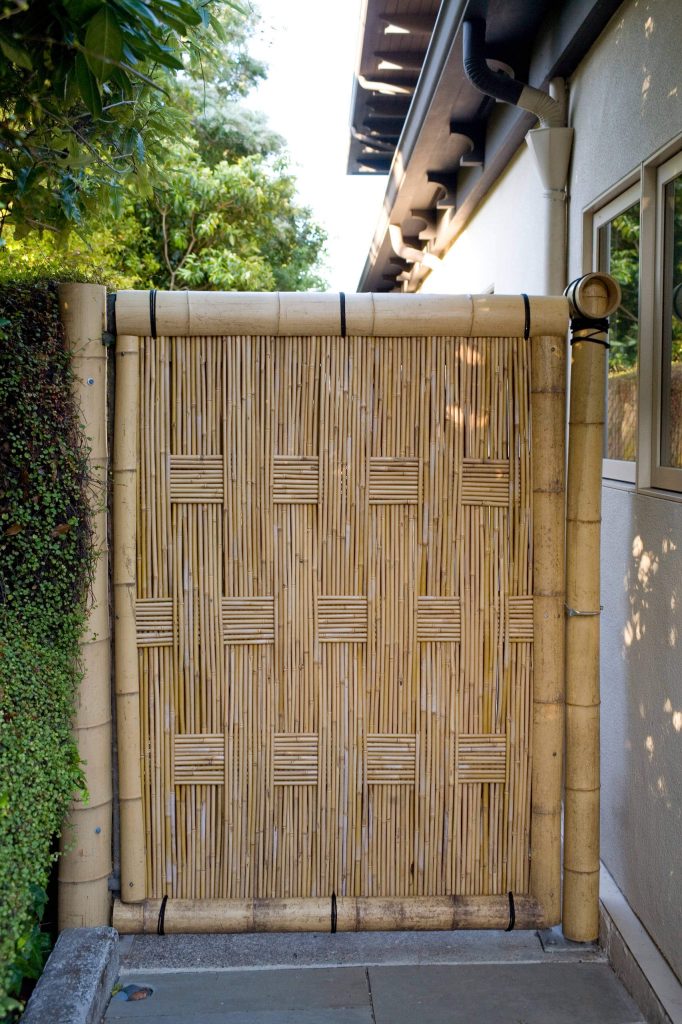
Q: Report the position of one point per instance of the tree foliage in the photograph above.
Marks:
(126, 125)
(232, 225)
(84, 97)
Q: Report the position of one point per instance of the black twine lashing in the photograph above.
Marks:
(596, 328)
(342, 303)
(512, 913)
(334, 914)
(162, 917)
(153, 312)
(526, 310)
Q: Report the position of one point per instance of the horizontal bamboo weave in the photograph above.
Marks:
(334, 615)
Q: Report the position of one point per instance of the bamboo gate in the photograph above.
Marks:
(339, 602)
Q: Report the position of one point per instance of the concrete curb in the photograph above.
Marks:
(635, 958)
(77, 981)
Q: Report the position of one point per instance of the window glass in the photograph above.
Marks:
(619, 256)
(671, 349)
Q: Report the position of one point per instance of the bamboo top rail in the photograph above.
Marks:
(383, 314)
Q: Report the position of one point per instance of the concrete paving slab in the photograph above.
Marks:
(246, 992)
(343, 1016)
(551, 993)
(225, 952)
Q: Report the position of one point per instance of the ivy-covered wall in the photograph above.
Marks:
(46, 562)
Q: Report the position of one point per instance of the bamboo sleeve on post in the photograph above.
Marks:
(85, 864)
(133, 865)
(593, 297)
(548, 401)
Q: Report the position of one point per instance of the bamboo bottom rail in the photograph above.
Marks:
(445, 913)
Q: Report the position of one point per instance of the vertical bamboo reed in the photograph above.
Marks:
(548, 398)
(596, 295)
(126, 427)
(363, 481)
(85, 865)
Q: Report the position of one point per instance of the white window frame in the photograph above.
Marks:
(652, 478)
(647, 184)
(667, 477)
(616, 201)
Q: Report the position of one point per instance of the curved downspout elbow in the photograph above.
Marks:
(548, 112)
(504, 87)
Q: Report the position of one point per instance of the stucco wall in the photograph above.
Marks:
(625, 103)
(502, 245)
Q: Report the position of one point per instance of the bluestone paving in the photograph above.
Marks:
(370, 978)
(552, 993)
(360, 1015)
(249, 992)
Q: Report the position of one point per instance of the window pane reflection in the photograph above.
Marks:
(671, 368)
(619, 256)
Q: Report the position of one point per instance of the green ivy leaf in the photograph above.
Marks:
(16, 53)
(87, 86)
(103, 44)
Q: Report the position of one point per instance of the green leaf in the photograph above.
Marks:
(185, 11)
(16, 53)
(87, 86)
(140, 10)
(103, 44)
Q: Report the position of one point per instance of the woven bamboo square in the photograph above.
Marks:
(294, 759)
(248, 620)
(196, 478)
(154, 622)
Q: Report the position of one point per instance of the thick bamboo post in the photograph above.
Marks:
(548, 410)
(133, 869)
(352, 914)
(594, 296)
(85, 864)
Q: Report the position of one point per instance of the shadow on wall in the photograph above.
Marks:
(642, 709)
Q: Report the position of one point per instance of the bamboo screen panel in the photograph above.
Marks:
(334, 615)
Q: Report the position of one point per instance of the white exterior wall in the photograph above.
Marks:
(501, 247)
(625, 103)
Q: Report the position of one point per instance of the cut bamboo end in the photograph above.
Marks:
(315, 915)
(197, 314)
(594, 295)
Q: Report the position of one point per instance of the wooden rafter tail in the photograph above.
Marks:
(290, 314)
(133, 863)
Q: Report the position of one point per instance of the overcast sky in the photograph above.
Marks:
(310, 47)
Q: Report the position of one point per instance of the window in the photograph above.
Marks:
(635, 233)
(666, 433)
(616, 250)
